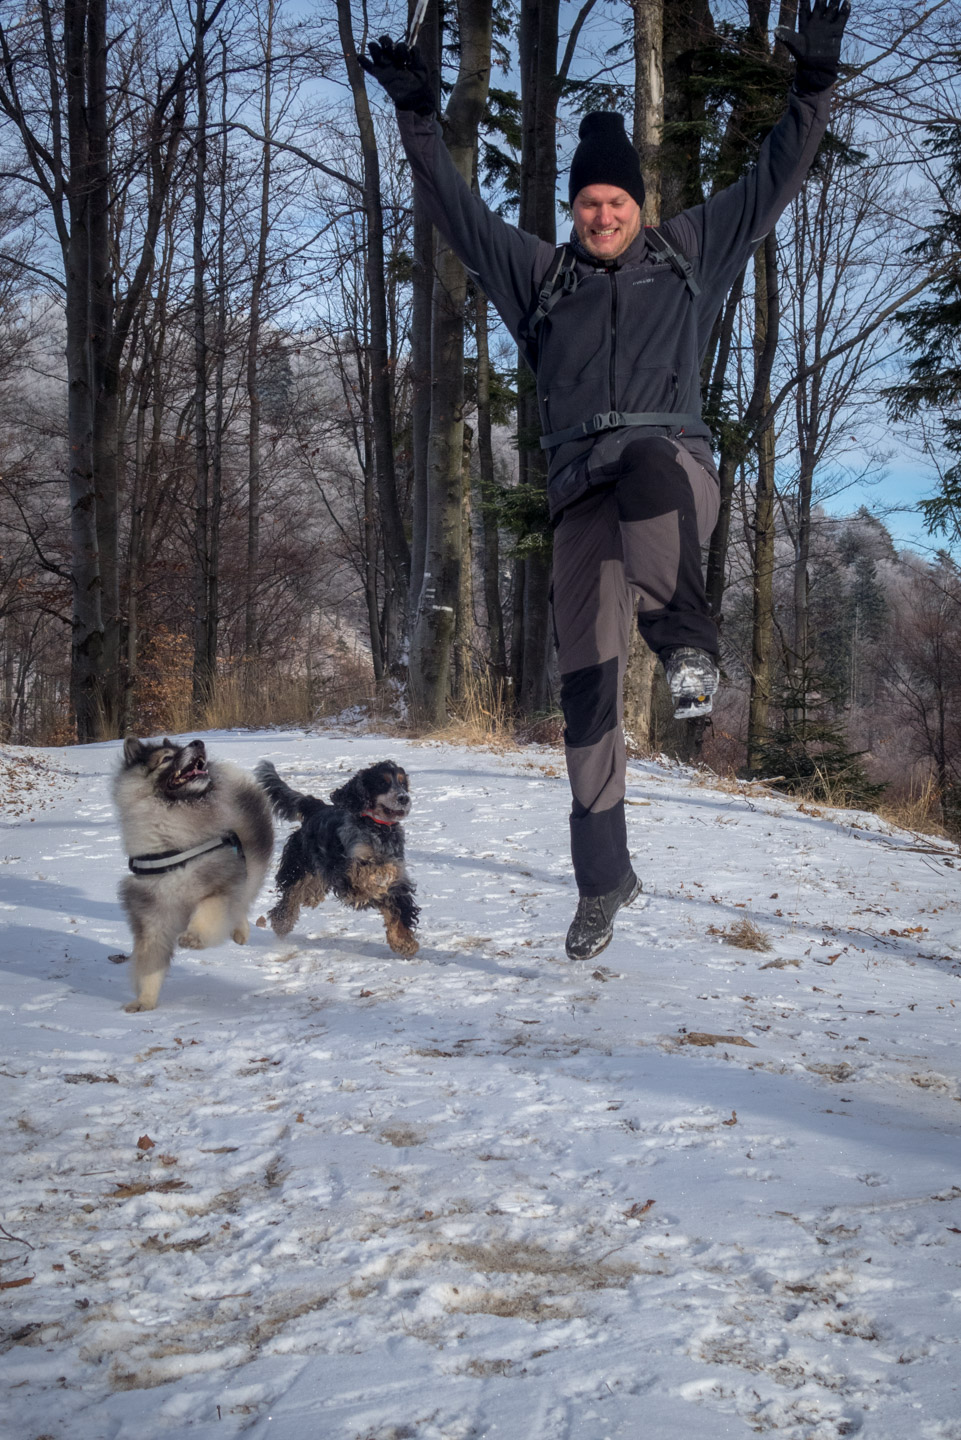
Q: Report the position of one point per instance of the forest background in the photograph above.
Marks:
(265, 452)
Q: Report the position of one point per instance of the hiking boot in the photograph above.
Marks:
(593, 924)
(693, 677)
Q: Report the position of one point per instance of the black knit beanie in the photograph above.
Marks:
(605, 156)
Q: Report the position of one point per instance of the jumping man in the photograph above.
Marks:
(615, 325)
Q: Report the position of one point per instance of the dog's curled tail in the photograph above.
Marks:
(287, 803)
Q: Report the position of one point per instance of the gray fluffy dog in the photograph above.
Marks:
(199, 837)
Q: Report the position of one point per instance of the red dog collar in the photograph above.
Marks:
(366, 815)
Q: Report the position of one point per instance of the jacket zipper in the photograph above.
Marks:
(613, 372)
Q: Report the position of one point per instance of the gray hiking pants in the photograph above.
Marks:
(631, 545)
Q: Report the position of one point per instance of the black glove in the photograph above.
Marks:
(816, 46)
(402, 71)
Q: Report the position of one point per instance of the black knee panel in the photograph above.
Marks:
(589, 702)
(653, 481)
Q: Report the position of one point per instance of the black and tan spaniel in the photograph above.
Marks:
(352, 848)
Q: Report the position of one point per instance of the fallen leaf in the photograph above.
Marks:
(733, 1119)
(637, 1210)
(15, 1284)
(142, 1187)
(701, 1037)
(145, 1143)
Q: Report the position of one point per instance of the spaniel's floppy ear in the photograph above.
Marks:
(352, 796)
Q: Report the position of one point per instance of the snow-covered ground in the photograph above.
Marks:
(327, 1193)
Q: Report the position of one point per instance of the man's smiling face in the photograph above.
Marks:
(606, 220)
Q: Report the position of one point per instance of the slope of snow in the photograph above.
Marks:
(327, 1193)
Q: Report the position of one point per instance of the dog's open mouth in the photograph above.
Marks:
(196, 770)
(388, 813)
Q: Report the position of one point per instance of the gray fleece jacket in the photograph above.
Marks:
(631, 336)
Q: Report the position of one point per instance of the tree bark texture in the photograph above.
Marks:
(649, 99)
(396, 548)
(646, 134)
(254, 403)
(485, 520)
(766, 322)
(541, 80)
(433, 629)
(687, 24)
(203, 663)
(464, 627)
(87, 645)
(422, 287)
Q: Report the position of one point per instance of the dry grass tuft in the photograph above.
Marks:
(249, 696)
(483, 714)
(743, 933)
(919, 810)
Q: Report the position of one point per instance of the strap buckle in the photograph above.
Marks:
(605, 421)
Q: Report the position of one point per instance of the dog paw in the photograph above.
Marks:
(241, 935)
(281, 922)
(136, 1006)
(189, 941)
(402, 942)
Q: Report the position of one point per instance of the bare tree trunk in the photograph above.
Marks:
(730, 456)
(374, 618)
(540, 91)
(87, 645)
(765, 340)
(464, 626)
(433, 628)
(220, 362)
(103, 387)
(646, 134)
(420, 328)
(203, 677)
(485, 521)
(137, 504)
(258, 281)
(397, 550)
(649, 99)
(687, 25)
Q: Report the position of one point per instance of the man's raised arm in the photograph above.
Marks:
(507, 262)
(728, 227)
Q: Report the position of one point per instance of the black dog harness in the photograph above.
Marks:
(164, 860)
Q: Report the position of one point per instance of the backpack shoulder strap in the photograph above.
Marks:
(559, 281)
(677, 260)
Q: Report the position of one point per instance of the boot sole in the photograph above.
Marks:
(589, 955)
(689, 707)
